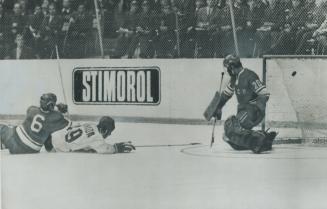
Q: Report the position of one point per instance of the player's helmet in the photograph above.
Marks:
(48, 101)
(231, 62)
(106, 126)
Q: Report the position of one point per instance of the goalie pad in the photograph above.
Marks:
(210, 111)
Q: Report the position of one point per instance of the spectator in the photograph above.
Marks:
(166, 33)
(23, 7)
(207, 29)
(127, 40)
(244, 33)
(146, 31)
(315, 19)
(198, 5)
(80, 31)
(227, 46)
(8, 5)
(321, 36)
(33, 34)
(273, 22)
(3, 32)
(66, 15)
(285, 43)
(17, 24)
(20, 51)
(254, 21)
(185, 14)
(49, 33)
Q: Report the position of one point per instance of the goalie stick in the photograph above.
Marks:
(213, 106)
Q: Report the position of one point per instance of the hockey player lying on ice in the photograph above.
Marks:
(39, 124)
(87, 138)
(252, 96)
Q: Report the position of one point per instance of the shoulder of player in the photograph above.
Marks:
(33, 108)
(250, 74)
(56, 115)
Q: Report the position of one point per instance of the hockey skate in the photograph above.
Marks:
(265, 143)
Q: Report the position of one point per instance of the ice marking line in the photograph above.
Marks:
(278, 153)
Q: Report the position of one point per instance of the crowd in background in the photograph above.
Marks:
(45, 29)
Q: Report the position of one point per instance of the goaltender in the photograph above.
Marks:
(252, 97)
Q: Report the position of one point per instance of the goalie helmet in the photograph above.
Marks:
(232, 62)
(48, 101)
(106, 126)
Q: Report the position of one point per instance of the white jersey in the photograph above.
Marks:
(83, 137)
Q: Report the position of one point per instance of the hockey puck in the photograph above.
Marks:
(293, 73)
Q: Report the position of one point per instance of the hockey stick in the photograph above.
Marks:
(61, 80)
(213, 133)
(214, 123)
(168, 145)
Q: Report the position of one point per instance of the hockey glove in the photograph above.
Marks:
(63, 108)
(218, 114)
(123, 147)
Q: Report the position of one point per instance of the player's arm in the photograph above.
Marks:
(102, 147)
(226, 94)
(261, 91)
(48, 144)
(63, 108)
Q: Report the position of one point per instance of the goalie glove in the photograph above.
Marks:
(123, 147)
(63, 108)
(218, 114)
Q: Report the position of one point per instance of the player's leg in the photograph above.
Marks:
(3, 137)
(10, 140)
(239, 134)
(240, 138)
(250, 116)
(235, 134)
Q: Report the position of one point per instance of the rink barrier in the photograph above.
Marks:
(177, 121)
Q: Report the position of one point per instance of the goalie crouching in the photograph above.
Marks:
(252, 96)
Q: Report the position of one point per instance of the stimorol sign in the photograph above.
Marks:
(116, 85)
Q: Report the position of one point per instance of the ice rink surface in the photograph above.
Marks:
(167, 177)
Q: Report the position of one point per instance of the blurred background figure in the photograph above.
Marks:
(127, 40)
(207, 30)
(20, 51)
(145, 30)
(79, 32)
(49, 32)
(166, 26)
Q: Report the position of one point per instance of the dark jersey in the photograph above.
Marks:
(247, 86)
(39, 125)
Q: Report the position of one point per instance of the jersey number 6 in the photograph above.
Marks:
(36, 125)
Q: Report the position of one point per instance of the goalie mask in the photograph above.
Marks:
(48, 102)
(232, 62)
(106, 126)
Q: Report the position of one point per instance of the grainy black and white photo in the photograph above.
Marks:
(163, 104)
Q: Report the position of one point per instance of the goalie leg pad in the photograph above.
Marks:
(243, 139)
(235, 134)
(249, 116)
